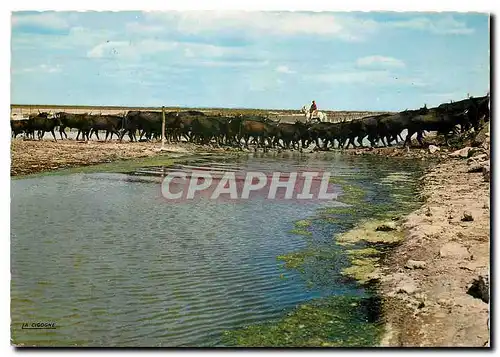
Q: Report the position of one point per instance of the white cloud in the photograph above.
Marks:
(42, 68)
(284, 69)
(366, 78)
(264, 23)
(179, 53)
(48, 20)
(137, 27)
(261, 23)
(128, 49)
(223, 63)
(442, 26)
(352, 77)
(380, 62)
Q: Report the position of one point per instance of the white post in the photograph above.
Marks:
(163, 128)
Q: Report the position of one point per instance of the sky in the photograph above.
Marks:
(236, 59)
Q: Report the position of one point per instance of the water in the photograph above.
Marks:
(112, 264)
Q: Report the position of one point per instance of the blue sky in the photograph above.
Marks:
(345, 61)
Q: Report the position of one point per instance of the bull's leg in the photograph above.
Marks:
(420, 135)
(263, 141)
(408, 138)
(53, 134)
(96, 134)
(360, 140)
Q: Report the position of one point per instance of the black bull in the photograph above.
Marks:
(200, 128)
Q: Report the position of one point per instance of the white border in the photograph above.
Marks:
(357, 5)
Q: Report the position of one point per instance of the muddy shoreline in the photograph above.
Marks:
(427, 284)
(33, 157)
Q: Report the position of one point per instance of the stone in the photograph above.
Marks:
(386, 226)
(480, 288)
(482, 136)
(373, 277)
(477, 156)
(467, 217)
(407, 286)
(415, 264)
(433, 148)
(486, 173)
(475, 167)
(461, 153)
(454, 250)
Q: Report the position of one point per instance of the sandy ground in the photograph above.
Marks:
(33, 156)
(428, 276)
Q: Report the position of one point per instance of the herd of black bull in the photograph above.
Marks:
(195, 126)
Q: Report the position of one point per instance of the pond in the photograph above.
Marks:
(111, 263)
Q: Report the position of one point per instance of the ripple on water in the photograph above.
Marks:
(112, 265)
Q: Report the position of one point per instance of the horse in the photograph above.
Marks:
(320, 116)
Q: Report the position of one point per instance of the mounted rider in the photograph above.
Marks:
(313, 111)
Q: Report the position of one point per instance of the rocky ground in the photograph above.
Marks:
(435, 284)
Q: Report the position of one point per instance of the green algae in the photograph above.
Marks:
(351, 194)
(366, 231)
(303, 223)
(360, 262)
(336, 321)
(295, 260)
(362, 269)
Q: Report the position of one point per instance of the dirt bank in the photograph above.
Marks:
(447, 246)
(31, 156)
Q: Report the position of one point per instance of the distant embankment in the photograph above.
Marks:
(23, 110)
